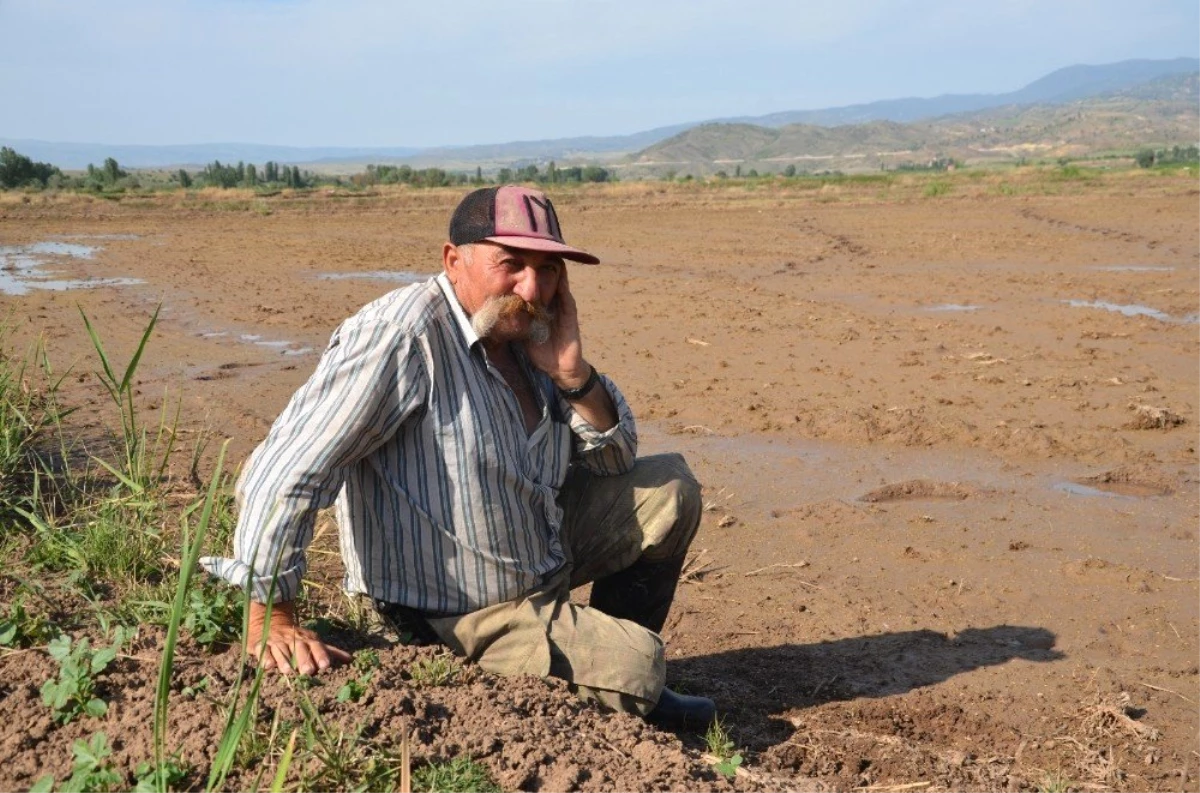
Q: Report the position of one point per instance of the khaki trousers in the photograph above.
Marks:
(610, 522)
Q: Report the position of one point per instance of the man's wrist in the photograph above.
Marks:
(583, 388)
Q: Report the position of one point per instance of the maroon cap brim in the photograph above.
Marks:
(545, 245)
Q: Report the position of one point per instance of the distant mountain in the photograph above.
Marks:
(1162, 112)
(1066, 85)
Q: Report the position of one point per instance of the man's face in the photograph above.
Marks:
(487, 279)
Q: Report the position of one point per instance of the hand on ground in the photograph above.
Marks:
(289, 646)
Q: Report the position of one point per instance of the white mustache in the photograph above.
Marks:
(484, 321)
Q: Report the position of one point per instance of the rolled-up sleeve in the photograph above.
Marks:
(604, 453)
(369, 380)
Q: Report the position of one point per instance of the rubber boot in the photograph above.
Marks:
(641, 593)
(682, 711)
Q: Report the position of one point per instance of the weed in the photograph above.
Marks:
(90, 773)
(365, 662)
(19, 628)
(1054, 783)
(936, 189)
(214, 614)
(139, 471)
(169, 775)
(456, 776)
(71, 694)
(191, 692)
(437, 671)
(29, 418)
(720, 745)
(347, 760)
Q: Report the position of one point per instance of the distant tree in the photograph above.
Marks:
(721, 175)
(112, 171)
(552, 173)
(17, 170)
(218, 175)
(505, 176)
(789, 171)
(478, 175)
(1145, 158)
(185, 178)
(594, 173)
(752, 173)
(251, 175)
(297, 179)
(737, 172)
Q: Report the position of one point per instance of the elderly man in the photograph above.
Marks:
(482, 468)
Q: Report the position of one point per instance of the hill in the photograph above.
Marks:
(1160, 112)
(1067, 85)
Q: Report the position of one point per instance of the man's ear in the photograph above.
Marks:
(452, 260)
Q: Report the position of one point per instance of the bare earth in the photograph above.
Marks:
(951, 537)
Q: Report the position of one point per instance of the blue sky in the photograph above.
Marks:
(451, 72)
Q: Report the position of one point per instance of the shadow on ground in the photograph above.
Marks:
(755, 684)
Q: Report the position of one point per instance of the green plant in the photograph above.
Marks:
(936, 188)
(365, 662)
(720, 745)
(214, 614)
(347, 761)
(20, 628)
(27, 417)
(459, 775)
(437, 671)
(1055, 782)
(90, 772)
(152, 777)
(139, 471)
(71, 694)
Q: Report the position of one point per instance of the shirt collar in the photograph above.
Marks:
(456, 310)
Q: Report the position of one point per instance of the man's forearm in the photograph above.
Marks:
(596, 407)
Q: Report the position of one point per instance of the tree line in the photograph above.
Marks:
(20, 172)
(1148, 158)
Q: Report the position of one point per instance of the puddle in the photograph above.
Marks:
(1122, 490)
(114, 237)
(379, 275)
(284, 346)
(953, 307)
(1134, 268)
(23, 268)
(1132, 310)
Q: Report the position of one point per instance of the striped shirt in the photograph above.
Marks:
(444, 503)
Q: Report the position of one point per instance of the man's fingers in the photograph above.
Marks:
(282, 658)
(337, 653)
(325, 655)
(305, 663)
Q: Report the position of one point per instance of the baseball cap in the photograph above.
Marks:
(511, 215)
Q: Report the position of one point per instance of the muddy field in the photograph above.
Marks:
(948, 446)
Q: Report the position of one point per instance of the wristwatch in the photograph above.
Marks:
(573, 394)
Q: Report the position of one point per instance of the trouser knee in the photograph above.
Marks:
(683, 506)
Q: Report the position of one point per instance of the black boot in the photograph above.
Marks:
(641, 593)
(680, 710)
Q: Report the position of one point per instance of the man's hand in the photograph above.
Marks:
(288, 642)
(561, 356)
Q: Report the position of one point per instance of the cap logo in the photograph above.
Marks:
(548, 215)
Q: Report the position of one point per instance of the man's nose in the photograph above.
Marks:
(527, 286)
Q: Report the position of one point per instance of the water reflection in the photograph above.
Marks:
(23, 268)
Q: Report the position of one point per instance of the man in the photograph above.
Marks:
(482, 469)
